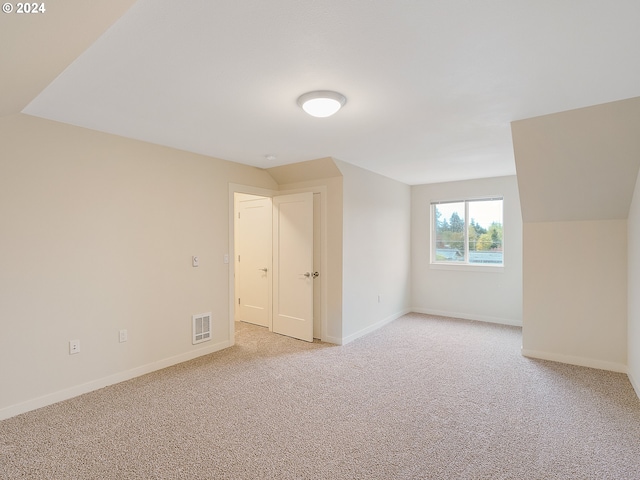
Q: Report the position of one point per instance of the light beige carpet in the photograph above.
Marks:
(424, 397)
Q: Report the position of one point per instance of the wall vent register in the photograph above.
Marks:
(201, 328)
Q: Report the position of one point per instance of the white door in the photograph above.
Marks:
(253, 258)
(293, 275)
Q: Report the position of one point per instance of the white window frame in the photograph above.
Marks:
(466, 265)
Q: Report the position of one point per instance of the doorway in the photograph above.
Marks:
(254, 272)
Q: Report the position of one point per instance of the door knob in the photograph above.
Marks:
(315, 274)
(263, 269)
(307, 274)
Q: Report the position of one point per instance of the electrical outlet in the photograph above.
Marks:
(123, 336)
(195, 261)
(74, 347)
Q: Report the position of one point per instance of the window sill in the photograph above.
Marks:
(467, 267)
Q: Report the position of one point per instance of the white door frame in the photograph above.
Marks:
(238, 188)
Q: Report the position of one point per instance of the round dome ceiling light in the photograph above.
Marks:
(321, 103)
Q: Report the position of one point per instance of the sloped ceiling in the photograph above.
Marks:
(432, 86)
(305, 171)
(578, 165)
(36, 48)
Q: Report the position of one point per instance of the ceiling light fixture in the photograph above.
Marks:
(321, 103)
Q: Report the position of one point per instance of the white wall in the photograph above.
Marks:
(493, 295)
(97, 234)
(633, 289)
(575, 304)
(376, 250)
(577, 171)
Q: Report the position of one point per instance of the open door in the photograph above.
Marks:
(293, 275)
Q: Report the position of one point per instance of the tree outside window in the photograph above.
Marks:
(468, 232)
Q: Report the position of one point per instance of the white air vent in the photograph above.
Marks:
(201, 327)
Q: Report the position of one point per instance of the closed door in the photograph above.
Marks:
(253, 258)
(293, 274)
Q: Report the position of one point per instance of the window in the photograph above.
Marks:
(467, 232)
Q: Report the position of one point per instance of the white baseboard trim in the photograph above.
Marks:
(334, 340)
(634, 383)
(67, 393)
(468, 316)
(579, 361)
(374, 327)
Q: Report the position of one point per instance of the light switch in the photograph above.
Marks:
(226, 258)
(194, 261)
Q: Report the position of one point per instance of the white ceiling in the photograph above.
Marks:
(431, 86)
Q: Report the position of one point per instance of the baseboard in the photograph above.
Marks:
(334, 340)
(374, 327)
(468, 316)
(579, 361)
(634, 383)
(77, 390)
